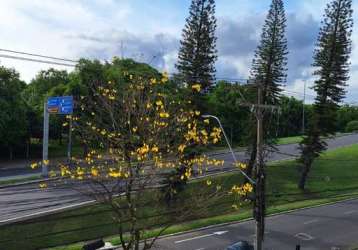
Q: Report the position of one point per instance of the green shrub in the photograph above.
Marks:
(352, 126)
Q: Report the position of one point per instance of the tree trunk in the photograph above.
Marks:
(137, 239)
(28, 149)
(85, 149)
(303, 178)
(11, 153)
(252, 160)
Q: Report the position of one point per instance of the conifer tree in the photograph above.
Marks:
(331, 60)
(269, 68)
(197, 53)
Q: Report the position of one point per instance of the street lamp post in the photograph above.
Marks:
(229, 145)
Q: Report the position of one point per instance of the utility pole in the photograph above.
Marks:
(259, 202)
(259, 205)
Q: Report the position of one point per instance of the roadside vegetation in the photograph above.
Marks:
(328, 183)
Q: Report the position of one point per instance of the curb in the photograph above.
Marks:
(28, 182)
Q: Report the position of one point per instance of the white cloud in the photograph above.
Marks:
(150, 33)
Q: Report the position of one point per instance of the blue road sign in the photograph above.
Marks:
(62, 105)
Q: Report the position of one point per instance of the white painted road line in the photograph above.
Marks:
(349, 212)
(201, 236)
(304, 236)
(200, 248)
(28, 216)
(310, 222)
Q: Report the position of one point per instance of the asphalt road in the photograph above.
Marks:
(329, 227)
(25, 201)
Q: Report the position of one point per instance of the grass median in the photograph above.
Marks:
(333, 178)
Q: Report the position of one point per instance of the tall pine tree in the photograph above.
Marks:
(196, 65)
(331, 59)
(269, 68)
(197, 53)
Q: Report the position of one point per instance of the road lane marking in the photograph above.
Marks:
(200, 237)
(310, 222)
(200, 248)
(350, 212)
(47, 211)
(304, 236)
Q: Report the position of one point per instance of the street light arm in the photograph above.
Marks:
(228, 143)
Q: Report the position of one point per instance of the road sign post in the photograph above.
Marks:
(61, 105)
(69, 147)
(45, 142)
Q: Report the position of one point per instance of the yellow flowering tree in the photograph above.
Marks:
(137, 133)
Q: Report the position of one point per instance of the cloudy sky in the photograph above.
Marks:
(150, 30)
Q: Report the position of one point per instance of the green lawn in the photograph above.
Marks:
(20, 180)
(289, 140)
(333, 177)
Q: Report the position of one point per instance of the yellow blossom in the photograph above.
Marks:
(155, 149)
(153, 81)
(241, 165)
(248, 188)
(134, 129)
(52, 174)
(181, 148)
(34, 165)
(196, 87)
(208, 182)
(94, 172)
(164, 115)
(46, 162)
(80, 171)
(143, 150)
(206, 121)
(165, 77)
(115, 174)
(43, 185)
(159, 103)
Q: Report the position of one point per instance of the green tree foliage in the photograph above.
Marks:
(197, 53)
(352, 126)
(345, 115)
(13, 112)
(47, 83)
(289, 119)
(331, 60)
(269, 69)
(224, 102)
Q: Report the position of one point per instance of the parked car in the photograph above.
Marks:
(241, 245)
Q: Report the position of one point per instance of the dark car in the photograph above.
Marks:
(241, 245)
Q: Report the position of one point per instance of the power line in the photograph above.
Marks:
(38, 55)
(223, 78)
(37, 60)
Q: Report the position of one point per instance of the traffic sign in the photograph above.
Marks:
(62, 105)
